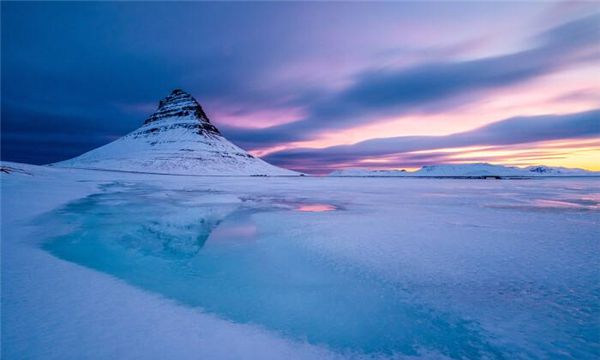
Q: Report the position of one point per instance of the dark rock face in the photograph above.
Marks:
(180, 104)
(201, 128)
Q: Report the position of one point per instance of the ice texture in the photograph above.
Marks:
(135, 265)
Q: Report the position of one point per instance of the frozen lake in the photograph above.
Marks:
(309, 267)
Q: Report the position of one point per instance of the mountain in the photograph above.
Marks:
(467, 170)
(559, 171)
(177, 139)
(471, 170)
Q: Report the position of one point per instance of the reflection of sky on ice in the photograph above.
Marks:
(315, 207)
(472, 271)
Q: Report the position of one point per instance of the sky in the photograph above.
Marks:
(315, 86)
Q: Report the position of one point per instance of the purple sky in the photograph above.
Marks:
(312, 86)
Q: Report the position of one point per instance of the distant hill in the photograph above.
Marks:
(470, 170)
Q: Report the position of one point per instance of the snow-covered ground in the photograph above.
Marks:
(99, 265)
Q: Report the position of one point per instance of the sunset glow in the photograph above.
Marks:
(318, 93)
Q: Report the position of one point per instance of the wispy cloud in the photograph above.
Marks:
(520, 130)
(284, 75)
(380, 92)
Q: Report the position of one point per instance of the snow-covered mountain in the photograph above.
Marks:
(480, 169)
(559, 171)
(177, 139)
(470, 170)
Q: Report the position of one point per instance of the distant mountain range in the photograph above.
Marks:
(470, 170)
(177, 139)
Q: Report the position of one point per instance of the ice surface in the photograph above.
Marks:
(270, 281)
(402, 267)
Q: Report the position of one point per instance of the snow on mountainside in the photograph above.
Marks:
(560, 171)
(177, 139)
(470, 170)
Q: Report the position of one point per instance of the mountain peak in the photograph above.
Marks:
(180, 104)
(177, 139)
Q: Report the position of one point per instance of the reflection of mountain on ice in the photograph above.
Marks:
(470, 170)
(177, 139)
(177, 229)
